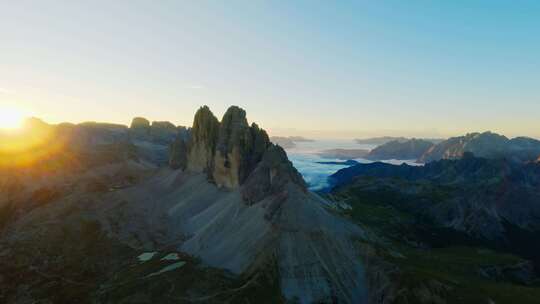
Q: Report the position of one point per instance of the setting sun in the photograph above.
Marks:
(11, 118)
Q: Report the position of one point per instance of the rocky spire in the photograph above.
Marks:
(178, 154)
(231, 160)
(235, 155)
(204, 136)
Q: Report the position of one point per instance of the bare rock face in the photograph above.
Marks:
(234, 142)
(204, 136)
(235, 155)
(228, 151)
(178, 154)
(240, 147)
(261, 143)
(271, 176)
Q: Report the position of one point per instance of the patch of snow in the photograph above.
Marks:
(146, 256)
(171, 257)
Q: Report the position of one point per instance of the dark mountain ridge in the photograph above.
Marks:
(478, 195)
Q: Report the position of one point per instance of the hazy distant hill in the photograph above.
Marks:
(378, 140)
(407, 149)
(487, 144)
(288, 142)
(385, 139)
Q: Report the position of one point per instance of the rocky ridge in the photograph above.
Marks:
(487, 144)
(473, 195)
(231, 151)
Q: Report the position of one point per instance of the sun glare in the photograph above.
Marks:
(11, 118)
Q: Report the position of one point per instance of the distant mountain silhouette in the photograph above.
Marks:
(487, 144)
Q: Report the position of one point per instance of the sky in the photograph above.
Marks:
(339, 69)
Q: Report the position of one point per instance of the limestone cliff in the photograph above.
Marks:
(271, 176)
(178, 154)
(233, 153)
(202, 146)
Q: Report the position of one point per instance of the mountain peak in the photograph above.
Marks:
(233, 153)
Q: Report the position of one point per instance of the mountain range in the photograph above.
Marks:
(158, 213)
(486, 144)
(449, 222)
(216, 213)
(409, 149)
(385, 139)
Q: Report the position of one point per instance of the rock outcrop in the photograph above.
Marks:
(271, 176)
(178, 154)
(233, 153)
(202, 146)
(234, 147)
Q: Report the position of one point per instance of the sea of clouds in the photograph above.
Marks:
(305, 158)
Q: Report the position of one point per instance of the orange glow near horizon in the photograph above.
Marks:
(27, 145)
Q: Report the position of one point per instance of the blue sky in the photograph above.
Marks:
(315, 68)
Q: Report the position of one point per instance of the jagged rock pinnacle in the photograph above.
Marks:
(232, 153)
(204, 136)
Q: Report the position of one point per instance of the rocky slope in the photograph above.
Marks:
(219, 195)
(487, 144)
(406, 149)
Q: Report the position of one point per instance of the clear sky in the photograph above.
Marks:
(316, 68)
